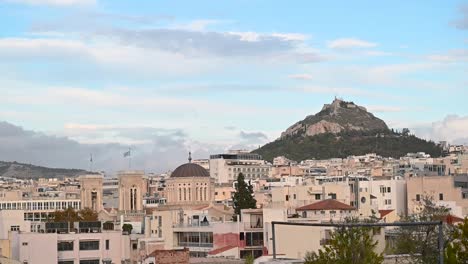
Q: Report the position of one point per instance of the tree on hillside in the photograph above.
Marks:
(347, 245)
(243, 197)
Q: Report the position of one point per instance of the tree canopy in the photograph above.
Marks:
(70, 215)
(421, 242)
(347, 245)
(243, 197)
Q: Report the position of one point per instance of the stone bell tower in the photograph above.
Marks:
(91, 191)
(131, 190)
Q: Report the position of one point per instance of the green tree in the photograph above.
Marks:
(457, 250)
(421, 242)
(347, 245)
(70, 216)
(127, 228)
(249, 259)
(88, 214)
(243, 197)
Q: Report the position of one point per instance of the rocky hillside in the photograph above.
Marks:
(342, 129)
(28, 171)
(337, 117)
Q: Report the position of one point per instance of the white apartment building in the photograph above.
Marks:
(87, 246)
(386, 194)
(225, 168)
(40, 210)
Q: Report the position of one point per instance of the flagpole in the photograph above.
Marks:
(91, 162)
(129, 159)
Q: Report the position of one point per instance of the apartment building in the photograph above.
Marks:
(88, 244)
(441, 189)
(225, 168)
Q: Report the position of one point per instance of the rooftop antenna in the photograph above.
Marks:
(190, 157)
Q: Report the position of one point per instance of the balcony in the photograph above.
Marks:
(251, 225)
(194, 244)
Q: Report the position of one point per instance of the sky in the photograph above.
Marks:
(168, 77)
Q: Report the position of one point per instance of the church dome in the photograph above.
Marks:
(190, 170)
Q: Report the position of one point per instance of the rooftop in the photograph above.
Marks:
(329, 204)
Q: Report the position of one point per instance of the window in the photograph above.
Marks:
(388, 201)
(363, 200)
(25, 243)
(287, 197)
(134, 246)
(216, 193)
(66, 262)
(65, 246)
(89, 245)
(418, 197)
(441, 196)
(294, 196)
(241, 236)
(332, 196)
(15, 228)
(107, 244)
(89, 261)
(389, 189)
(317, 197)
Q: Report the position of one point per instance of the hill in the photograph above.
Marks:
(28, 171)
(342, 129)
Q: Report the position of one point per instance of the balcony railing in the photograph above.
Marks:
(253, 225)
(254, 243)
(199, 224)
(194, 244)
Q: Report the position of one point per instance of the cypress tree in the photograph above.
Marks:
(243, 197)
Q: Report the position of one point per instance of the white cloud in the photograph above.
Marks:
(197, 25)
(350, 43)
(290, 36)
(452, 128)
(52, 2)
(451, 56)
(301, 76)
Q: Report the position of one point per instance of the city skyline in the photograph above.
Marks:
(90, 76)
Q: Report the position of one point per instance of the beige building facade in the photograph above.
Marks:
(91, 192)
(440, 189)
(131, 190)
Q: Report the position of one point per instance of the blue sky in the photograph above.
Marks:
(222, 74)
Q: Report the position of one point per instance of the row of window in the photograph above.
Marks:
(28, 205)
(84, 245)
(187, 193)
(248, 175)
(83, 261)
(441, 197)
(248, 169)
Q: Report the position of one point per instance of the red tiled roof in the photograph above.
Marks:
(329, 204)
(450, 219)
(384, 212)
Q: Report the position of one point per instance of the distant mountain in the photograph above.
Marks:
(342, 129)
(28, 171)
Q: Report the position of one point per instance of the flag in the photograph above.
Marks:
(126, 154)
(90, 157)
